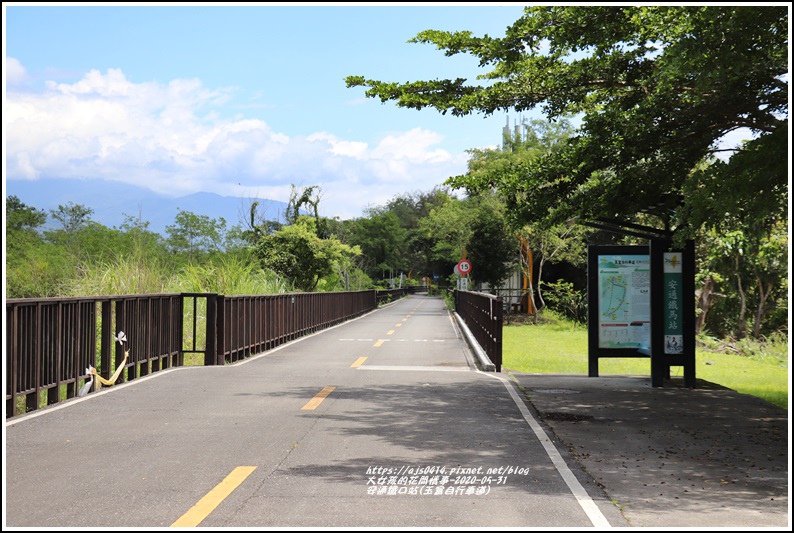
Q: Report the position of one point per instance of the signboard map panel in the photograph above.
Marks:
(624, 298)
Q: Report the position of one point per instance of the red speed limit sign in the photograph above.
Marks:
(464, 266)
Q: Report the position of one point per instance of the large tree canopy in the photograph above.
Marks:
(655, 88)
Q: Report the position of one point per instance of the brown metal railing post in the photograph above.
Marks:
(220, 330)
(211, 344)
(179, 334)
(121, 316)
(32, 400)
(498, 320)
(12, 348)
(106, 342)
(53, 394)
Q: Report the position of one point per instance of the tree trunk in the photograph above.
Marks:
(540, 275)
(706, 297)
(763, 295)
(741, 327)
(531, 295)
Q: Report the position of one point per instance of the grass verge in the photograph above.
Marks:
(559, 347)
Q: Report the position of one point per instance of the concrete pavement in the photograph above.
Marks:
(672, 457)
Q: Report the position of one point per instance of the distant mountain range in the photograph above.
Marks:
(111, 201)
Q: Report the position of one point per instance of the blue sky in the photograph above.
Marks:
(238, 100)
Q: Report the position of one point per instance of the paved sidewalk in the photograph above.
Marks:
(672, 456)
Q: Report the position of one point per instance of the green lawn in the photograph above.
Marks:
(561, 348)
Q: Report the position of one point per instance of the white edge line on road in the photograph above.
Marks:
(290, 343)
(74, 401)
(587, 504)
(585, 501)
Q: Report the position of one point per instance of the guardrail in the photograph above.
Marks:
(483, 315)
(52, 342)
(252, 324)
(387, 295)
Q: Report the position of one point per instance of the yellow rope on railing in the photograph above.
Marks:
(115, 375)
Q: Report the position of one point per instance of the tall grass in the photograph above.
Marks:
(138, 274)
(229, 276)
(558, 346)
(134, 274)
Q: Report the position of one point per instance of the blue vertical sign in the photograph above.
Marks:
(673, 300)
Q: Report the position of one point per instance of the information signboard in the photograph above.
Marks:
(624, 301)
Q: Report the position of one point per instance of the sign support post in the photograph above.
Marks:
(641, 304)
(672, 311)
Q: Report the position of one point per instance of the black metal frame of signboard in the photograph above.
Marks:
(654, 254)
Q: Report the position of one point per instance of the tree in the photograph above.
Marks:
(750, 271)
(22, 217)
(298, 254)
(449, 223)
(301, 199)
(492, 248)
(195, 235)
(256, 225)
(139, 239)
(560, 243)
(655, 88)
(382, 240)
(73, 219)
(22, 225)
(391, 238)
(34, 267)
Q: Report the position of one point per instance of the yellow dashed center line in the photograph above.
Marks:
(378, 343)
(359, 362)
(390, 332)
(317, 400)
(397, 325)
(208, 503)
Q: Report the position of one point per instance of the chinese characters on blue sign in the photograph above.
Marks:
(673, 294)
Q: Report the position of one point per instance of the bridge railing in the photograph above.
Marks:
(51, 342)
(483, 314)
(248, 325)
(387, 295)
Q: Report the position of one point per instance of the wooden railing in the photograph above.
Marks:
(51, 342)
(248, 325)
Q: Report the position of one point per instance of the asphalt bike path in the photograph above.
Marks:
(383, 421)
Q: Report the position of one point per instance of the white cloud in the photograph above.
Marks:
(15, 72)
(356, 150)
(412, 146)
(171, 139)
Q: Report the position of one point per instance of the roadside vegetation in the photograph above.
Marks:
(557, 345)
